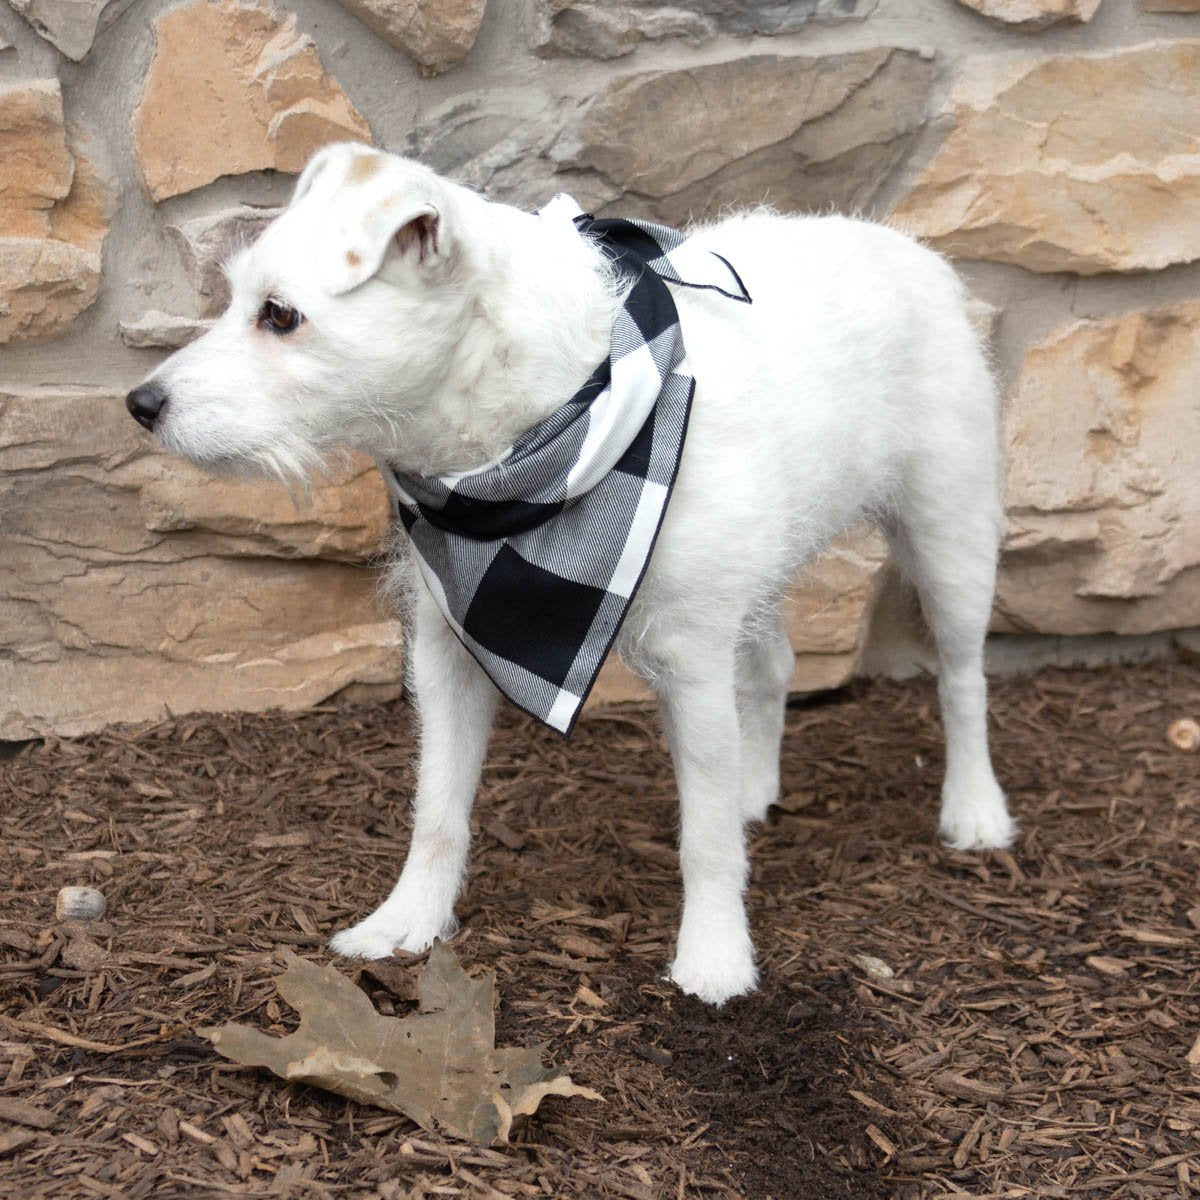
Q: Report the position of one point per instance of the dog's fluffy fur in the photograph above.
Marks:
(439, 326)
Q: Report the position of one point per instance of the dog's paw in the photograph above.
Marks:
(357, 942)
(714, 959)
(714, 982)
(379, 939)
(980, 823)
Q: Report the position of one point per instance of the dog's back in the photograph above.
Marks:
(851, 387)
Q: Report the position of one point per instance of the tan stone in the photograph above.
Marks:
(1171, 6)
(129, 585)
(1035, 15)
(54, 211)
(232, 87)
(35, 165)
(70, 25)
(80, 693)
(610, 28)
(616, 684)
(799, 132)
(829, 612)
(156, 330)
(345, 519)
(207, 242)
(44, 285)
(82, 218)
(1103, 436)
(1081, 163)
(436, 34)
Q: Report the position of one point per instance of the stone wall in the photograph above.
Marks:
(1052, 146)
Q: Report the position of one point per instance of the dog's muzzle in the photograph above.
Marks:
(146, 402)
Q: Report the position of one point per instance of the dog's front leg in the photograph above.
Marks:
(455, 704)
(714, 958)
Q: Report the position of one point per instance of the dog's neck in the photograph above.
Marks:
(538, 320)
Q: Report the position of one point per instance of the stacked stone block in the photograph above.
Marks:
(1052, 147)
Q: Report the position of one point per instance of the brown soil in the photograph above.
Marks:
(1032, 1040)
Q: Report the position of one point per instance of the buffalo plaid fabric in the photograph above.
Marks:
(533, 559)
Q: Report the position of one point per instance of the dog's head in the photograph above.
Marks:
(343, 312)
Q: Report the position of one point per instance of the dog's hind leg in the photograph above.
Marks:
(456, 702)
(948, 549)
(765, 665)
(714, 958)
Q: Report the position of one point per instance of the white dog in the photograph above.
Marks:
(390, 310)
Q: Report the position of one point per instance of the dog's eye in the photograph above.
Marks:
(279, 317)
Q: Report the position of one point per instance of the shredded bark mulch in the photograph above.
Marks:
(930, 1023)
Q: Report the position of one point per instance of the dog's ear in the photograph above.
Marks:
(385, 210)
(377, 208)
(318, 164)
(393, 226)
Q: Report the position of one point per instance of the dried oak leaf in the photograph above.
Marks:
(440, 1066)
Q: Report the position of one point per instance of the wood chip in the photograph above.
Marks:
(969, 1141)
(1193, 1055)
(952, 1084)
(281, 841)
(882, 1141)
(141, 1143)
(505, 835)
(1156, 937)
(14, 1139)
(23, 1113)
(870, 1102)
(196, 1134)
(1107, 965)
(586, 996)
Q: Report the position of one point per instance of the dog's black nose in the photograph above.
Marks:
(146, 402)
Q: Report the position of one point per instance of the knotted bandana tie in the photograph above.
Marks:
(534, 559)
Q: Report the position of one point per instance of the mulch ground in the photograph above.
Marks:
(930, 1023)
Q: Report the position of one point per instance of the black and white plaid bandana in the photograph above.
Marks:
(533, 559)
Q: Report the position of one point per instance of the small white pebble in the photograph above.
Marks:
(876, 968)
(80, 904)
(1184, 735)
